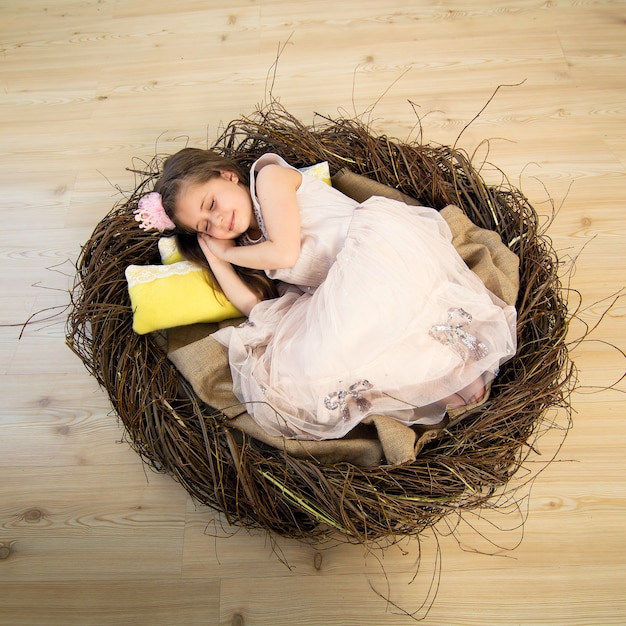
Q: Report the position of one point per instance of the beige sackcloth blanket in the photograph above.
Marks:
(379, 440)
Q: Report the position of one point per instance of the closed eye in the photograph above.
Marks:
(204, 226)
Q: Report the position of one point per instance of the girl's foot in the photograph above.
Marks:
(471, 394)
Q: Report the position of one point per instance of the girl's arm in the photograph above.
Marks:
(229, 281)
(276, 188)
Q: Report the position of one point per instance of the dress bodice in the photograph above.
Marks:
(325, 216)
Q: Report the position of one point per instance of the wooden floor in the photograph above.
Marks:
(88, 535)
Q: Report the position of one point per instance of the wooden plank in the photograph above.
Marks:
(159, 602)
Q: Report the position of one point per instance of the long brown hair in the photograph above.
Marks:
(195, 166)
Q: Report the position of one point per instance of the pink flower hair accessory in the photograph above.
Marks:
(151, 214)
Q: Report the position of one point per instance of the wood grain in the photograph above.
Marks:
(90, 535)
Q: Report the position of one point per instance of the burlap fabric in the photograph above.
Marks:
(379, 439)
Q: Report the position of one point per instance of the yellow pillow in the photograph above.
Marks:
(319, 170)
(164, 296)
(168, 250)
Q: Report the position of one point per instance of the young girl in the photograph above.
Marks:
(377, 313)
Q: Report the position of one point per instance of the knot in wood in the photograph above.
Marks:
(32, 516)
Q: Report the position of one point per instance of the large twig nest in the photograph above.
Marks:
(258, 486)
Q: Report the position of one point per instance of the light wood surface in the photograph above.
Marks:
(89, 535)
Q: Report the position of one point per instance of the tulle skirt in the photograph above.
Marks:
(399, 325)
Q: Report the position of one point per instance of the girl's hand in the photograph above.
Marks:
(214, 248)
(230, 283)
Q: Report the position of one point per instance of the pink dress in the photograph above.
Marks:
(380, 315)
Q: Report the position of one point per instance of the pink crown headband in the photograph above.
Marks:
(151, 214)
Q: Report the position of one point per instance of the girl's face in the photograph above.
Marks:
(220, 207)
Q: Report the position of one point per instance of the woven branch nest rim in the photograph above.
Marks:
(257, 486)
